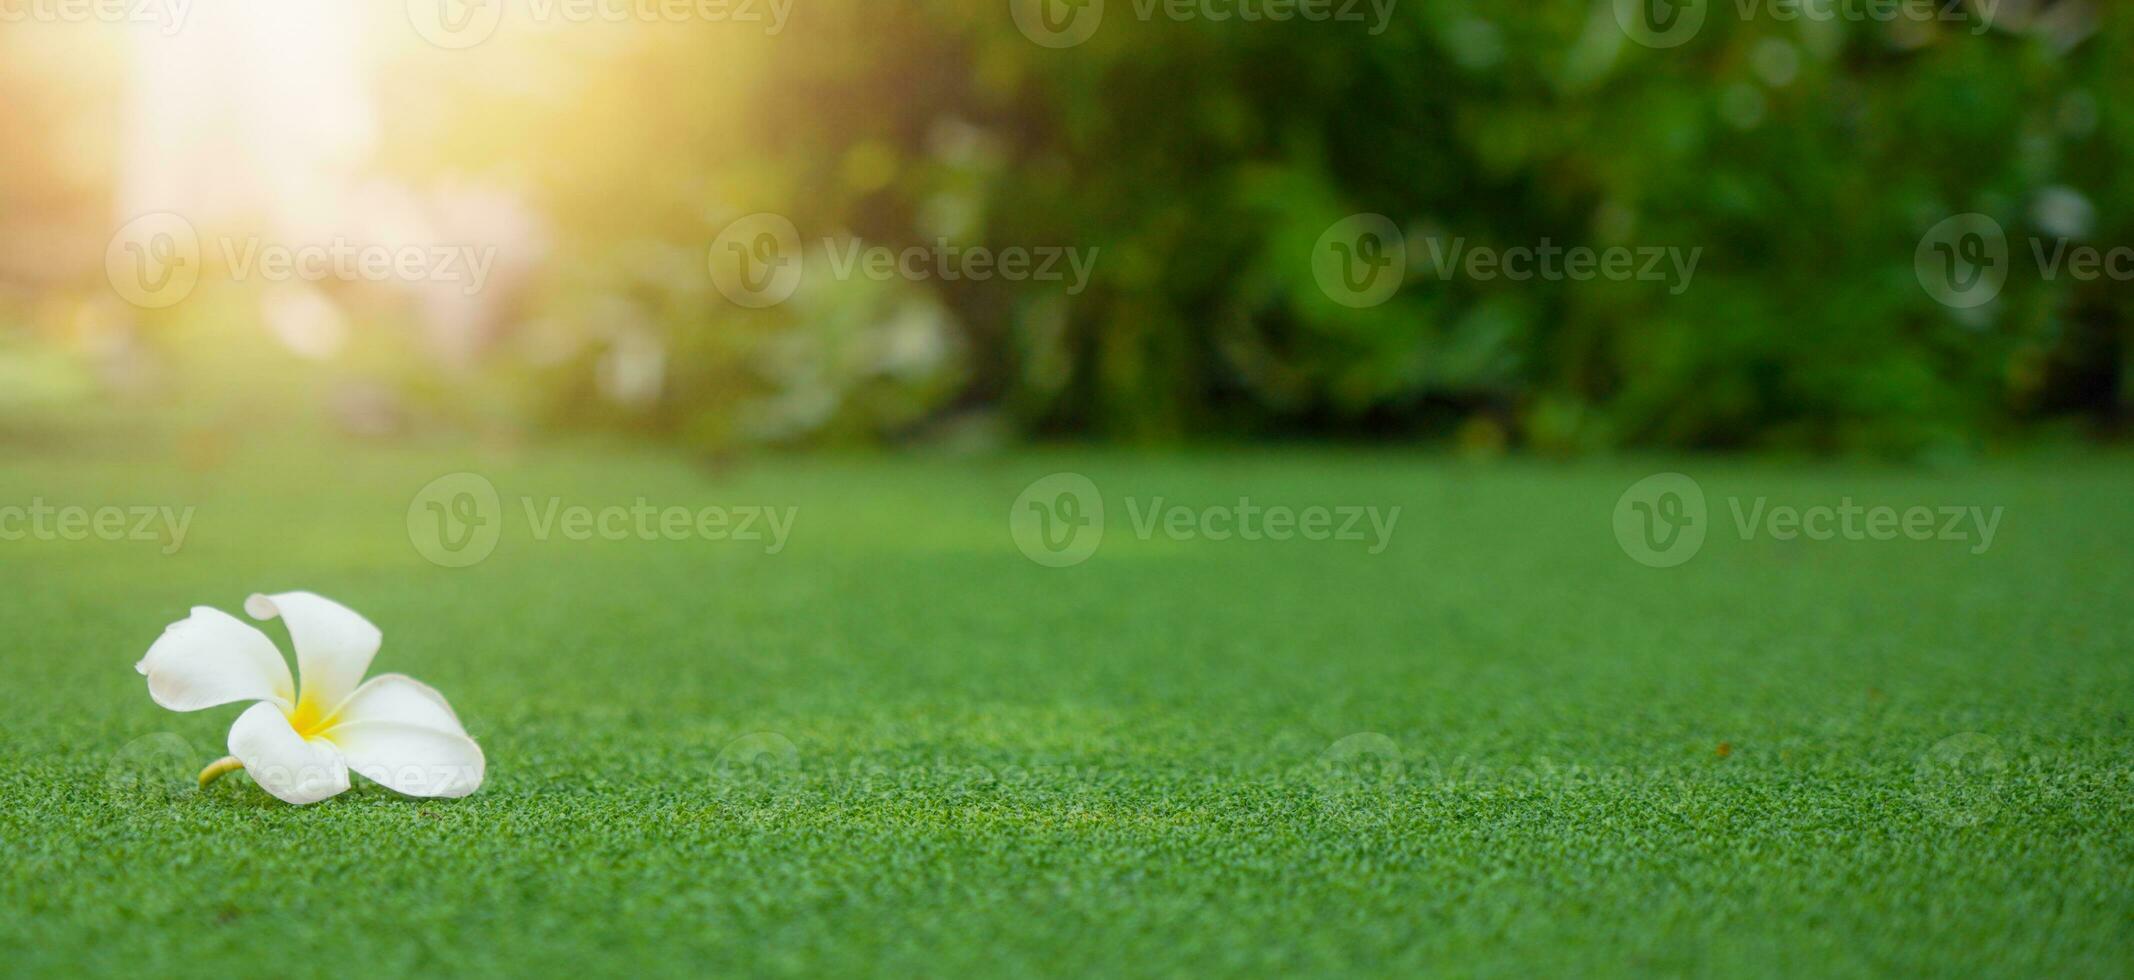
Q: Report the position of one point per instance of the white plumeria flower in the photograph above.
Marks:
(299, 746)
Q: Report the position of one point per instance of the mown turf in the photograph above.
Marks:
(1500, 747)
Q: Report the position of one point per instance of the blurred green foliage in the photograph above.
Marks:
(1203, 159)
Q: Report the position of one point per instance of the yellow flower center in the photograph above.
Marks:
(308, 719)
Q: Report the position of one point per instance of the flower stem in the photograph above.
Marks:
(219, 768)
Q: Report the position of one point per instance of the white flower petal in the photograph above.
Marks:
(410, 759)
(285, 764)
(399, 699)
(214, 658)
(334, 645)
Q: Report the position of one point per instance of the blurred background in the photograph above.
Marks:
(592, 155)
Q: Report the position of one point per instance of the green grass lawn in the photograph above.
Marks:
(896, 746)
